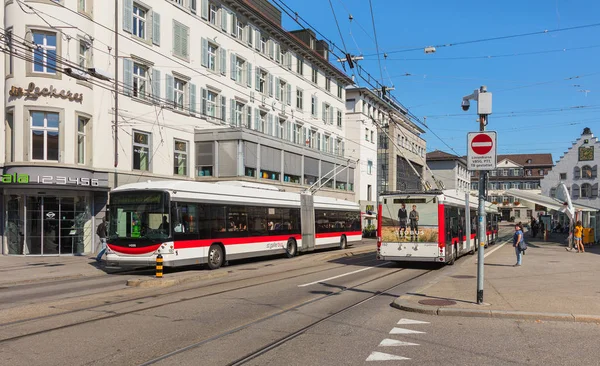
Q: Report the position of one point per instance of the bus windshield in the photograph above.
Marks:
(139, 215)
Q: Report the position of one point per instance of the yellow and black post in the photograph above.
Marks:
(159, 266)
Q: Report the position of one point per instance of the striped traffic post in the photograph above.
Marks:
(159, 266)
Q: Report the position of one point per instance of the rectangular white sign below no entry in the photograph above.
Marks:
(481, 150)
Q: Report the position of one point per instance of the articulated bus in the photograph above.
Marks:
(209, 223)
(429, 226)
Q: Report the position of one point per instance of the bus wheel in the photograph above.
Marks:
(343, 242)
(291, 249)
(215, 256)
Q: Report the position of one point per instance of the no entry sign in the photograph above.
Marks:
(481, 150)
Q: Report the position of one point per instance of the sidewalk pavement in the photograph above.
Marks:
(20, 270)
(552, 284)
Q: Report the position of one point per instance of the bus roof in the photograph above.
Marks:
(229, 193)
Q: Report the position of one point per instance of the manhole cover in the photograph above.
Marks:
(434, 302)
(463, 276)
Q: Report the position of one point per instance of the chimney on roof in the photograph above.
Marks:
(587, 131)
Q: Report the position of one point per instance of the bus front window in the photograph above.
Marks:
(139, 215)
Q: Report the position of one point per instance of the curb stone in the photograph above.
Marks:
(165, 282)
(406, 305)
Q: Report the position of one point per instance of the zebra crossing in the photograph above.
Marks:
(390, 342)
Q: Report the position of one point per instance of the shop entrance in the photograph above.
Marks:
(47, 225)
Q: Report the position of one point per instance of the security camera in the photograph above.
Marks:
(465, 105)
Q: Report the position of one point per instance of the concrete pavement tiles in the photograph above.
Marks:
(552, 284)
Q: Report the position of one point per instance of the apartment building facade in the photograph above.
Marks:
(450, 169)
(519, 171)
(207, 90)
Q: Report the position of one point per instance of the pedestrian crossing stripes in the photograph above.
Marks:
(380, 356)
(404, 331)
(388, 342)
(410, 321)
(394, 343)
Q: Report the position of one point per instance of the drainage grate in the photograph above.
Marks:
(463, 276)
(434, 302)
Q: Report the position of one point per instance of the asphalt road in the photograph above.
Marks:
(301, 311)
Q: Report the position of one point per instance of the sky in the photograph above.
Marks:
(545, 86)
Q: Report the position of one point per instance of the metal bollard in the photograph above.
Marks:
(159, 266)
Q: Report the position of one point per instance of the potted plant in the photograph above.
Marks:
(369, 231)
(517, 203)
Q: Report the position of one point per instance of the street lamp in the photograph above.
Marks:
(484, 108)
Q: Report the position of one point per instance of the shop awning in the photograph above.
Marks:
(548, 202)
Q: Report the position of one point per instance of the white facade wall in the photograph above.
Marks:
(568, 170)
(160, 119)
(88, 154)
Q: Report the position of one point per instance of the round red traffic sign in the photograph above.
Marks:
(482, 144)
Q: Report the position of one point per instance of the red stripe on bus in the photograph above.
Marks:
(129, 250)
(184, 244)
(441, 225)
(331, 235)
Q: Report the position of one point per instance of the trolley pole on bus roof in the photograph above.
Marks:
(481, 156)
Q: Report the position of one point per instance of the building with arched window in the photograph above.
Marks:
(578, 170)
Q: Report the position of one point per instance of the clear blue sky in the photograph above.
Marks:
(536, 110)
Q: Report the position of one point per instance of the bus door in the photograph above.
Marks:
(307, 222)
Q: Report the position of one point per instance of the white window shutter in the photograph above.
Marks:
(224, 19)
(127, 76)
(223, 108)
(204, 10)
(233, 67)
(156, 28)
(288, 97)
(203, 105)
(204, 57)
(177, 38)
(270, 85)
(192, 98)
(223, 61)
(169, 81)
(128, 16)
(323, 113)
(249, 74)
(257, 39)
(277, 89)
(156, 85)
(232, 119)
(233, 29)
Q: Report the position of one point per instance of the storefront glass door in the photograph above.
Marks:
(53, 224)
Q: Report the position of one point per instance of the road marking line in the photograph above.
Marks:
(380, 356)
(393, 343)
(404, 331)
(342, 275)
(493, 250)
(410, 321)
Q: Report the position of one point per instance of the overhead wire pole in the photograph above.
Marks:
(116, 91)
(484, 108)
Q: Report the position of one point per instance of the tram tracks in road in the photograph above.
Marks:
(275, 344)
(135, 300)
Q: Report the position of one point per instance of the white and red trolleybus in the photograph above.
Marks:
(196, 223)
(429, 226)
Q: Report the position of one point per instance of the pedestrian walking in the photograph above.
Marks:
(517, 238)
(577, 235)
(101, 231)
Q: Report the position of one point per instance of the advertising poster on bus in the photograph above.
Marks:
(409, 220)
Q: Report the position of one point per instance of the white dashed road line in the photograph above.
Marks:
(342, 275)
(388, 342)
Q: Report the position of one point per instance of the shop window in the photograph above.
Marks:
(265, 174)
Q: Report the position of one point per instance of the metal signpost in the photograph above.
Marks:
(481, 156)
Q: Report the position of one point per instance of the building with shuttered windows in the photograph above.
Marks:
(207, 90)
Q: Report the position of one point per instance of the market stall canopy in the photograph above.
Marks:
(548, 202)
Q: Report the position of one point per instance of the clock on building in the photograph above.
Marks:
(586, 153)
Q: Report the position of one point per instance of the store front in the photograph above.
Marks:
(50, 211)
